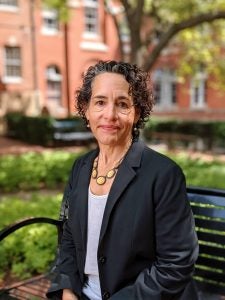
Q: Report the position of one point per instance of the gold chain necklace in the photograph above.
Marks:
(102, 178)
(110, 174)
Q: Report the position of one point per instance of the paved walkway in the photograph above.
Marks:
(12, 146)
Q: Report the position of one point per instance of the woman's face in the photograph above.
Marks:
(110, 112)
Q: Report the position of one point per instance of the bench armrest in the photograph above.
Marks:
(28, 221)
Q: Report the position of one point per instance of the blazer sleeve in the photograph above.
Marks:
(176, 245)
(64, 273)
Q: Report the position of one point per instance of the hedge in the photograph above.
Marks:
(35, 171)
(212, 133)
(50, 170)
(37, 130)
(30, 250)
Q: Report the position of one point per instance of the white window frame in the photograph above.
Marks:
(5, 5)
(198, 91)
(52, 15)
(54, 77)
(166, 80)
(92, 6)
(13, 63)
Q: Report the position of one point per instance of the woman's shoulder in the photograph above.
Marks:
(159, 160)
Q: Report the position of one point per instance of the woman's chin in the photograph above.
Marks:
(109, 141)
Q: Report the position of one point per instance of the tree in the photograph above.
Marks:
(196, 26)
(60, 6)
(192, 24)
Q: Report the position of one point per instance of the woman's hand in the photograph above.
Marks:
(68, 295)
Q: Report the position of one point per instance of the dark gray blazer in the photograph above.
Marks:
(147, 246)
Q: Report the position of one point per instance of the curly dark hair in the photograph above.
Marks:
(139, 88)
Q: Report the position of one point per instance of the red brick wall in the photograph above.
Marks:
(15, 30)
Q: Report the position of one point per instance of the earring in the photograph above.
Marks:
(88, 125)
(135, 128)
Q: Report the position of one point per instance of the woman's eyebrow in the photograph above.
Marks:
(99, 97)
(123, 97)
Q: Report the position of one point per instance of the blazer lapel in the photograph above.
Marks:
(125, 174)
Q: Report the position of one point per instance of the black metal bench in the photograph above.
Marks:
(48, 131)
(71, 131)
(208, 206)
(36, 287)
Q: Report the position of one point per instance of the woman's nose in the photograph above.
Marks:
(111, 111)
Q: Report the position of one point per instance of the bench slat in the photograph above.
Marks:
(207, 199)
(207, 249)
(30, 288)
(210, 224)
(212, 263)
(208, 275)
(211, 237)
(209, 212)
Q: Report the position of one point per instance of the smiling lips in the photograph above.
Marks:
(109, 127)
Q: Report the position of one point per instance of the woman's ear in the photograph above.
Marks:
(137, 116)
(87, 112)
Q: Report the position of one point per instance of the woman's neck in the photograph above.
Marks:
(109, 155)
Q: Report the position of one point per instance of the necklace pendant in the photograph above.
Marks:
(94, 173)
(111, 173)
(101, 180)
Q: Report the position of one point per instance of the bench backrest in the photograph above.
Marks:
(209, 211)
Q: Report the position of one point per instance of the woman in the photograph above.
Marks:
(130, 231)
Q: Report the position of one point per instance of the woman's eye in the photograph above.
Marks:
(100, 103)
(123, 105)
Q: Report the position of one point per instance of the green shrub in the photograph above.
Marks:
(30, 250)
(40, 130)
(36, 171)
(33, 171)
(202, 173)
(211, 132)
(33, 130)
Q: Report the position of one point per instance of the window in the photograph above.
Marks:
(12, 63)
(165, 88)
(198, 91)
(157, 92)
(91, 17)
(173, 92)
(9, 5)
(50, 22)
(54, 79)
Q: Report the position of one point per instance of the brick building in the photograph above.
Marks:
(42, 60)
(191, 98)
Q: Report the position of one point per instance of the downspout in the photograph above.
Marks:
(34, 56)
(67, 77)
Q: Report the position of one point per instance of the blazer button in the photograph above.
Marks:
(102, 259)
(106, 295)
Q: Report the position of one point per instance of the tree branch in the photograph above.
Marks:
(134, 19)
(119, 35)
(176, 28)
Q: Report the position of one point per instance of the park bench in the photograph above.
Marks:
(173, 140)
(48, 131)
(208, 206)
(71, 131)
